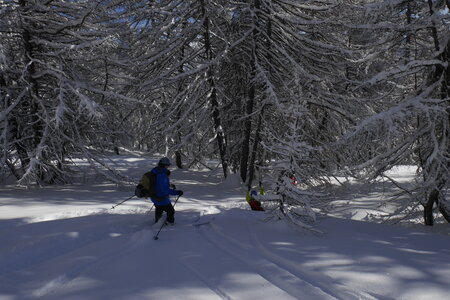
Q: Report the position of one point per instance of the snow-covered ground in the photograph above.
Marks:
(67, 243)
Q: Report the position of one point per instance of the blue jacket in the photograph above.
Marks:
(162, 187)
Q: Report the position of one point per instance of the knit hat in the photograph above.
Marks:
(164, 162)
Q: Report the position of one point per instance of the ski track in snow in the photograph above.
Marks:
(187, 263)
(338, 292)
(140, 238)
(27, 254)
(235, 280)
(277, 275)
(134, 239)
(265, 268)
(36, 254)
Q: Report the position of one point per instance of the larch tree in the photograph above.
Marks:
(53, 82)
(407, 77)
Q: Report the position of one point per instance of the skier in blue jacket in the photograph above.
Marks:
(163, 191)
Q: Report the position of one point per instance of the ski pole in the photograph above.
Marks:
(121, 202)
(149, 211)
(176, 201)
(164, 223)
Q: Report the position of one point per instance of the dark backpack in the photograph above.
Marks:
(146, 187)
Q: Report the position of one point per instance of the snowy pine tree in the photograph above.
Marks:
(408, 82)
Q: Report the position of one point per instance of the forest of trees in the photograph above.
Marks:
(275, 87)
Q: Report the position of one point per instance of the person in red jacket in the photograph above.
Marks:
(254, 204)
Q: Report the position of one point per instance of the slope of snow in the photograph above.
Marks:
(67, 243)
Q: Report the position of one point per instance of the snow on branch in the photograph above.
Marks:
(400, 70)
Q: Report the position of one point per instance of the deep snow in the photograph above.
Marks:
(67, 243)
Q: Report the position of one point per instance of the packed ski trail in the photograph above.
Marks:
(219, 249)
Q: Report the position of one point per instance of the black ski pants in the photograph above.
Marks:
(159, 209)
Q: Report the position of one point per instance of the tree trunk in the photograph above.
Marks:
(178, 160)
(250, 100)
(251, 173)
(261, 115)
(428, 208)
(212, 95)
(435, 170)
(247, 132)
(30, 107)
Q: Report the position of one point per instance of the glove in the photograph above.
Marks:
(180, 193)
(173, 187)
